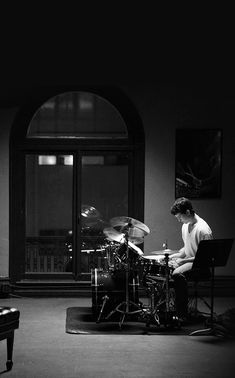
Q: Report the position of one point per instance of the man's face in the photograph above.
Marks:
(183, 218)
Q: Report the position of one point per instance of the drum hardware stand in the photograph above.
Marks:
(154, 307)
(151, 312)
(170, 319)
(105, 299)
(167, 287)
(125, 304)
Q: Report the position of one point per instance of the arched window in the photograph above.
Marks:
(77, 158)
(77, 115)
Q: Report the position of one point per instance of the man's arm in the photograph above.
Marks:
(182, 261)
(179, 254)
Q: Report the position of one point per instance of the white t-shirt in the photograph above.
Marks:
(200, 231)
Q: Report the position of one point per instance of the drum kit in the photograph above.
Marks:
(115, 291)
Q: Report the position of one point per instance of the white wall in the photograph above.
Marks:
(159, 114)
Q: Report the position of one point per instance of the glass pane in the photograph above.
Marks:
(104, 196)
(77, 115)
(49, 181)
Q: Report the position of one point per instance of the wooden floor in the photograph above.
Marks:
(42, 348)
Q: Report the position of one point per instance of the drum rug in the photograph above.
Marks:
(81, 321)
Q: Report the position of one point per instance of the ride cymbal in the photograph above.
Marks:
(128, 223)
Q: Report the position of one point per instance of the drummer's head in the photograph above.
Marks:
(182, 209)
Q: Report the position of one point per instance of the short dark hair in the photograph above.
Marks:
(181, 205)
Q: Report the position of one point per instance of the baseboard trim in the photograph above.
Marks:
(224, 286)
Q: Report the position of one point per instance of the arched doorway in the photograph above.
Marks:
(76, 161)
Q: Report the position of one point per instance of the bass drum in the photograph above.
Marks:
(112, 284)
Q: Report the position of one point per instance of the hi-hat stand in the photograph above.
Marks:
(170, 318)
(212, 253)
(124, 307)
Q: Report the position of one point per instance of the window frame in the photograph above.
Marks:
(20, 146)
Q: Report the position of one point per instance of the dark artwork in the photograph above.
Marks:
(198, 163)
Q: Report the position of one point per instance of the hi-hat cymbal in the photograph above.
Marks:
(127, 224)
(119, 237)
(164, 252)
(153, 257)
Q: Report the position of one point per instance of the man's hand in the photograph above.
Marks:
(176, 262)
(180, 261)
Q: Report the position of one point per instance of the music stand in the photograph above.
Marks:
(211, 254)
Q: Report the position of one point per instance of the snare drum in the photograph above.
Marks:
(155, 266)
(113, 285)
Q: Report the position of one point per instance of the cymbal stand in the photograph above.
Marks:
(172, 318)
(150, 313)
(154, 308)
(105, 299)
(124, 307)
(164, 299)
(167, 286)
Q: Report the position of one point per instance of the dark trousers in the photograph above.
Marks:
(181, 288)
(181, 294)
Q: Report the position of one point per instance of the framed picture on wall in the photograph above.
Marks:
(198, 163)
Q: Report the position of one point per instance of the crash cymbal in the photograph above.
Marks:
(127, 223)
(164, 252)
(119, 237)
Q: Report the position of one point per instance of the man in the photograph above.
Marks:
(194, 229)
